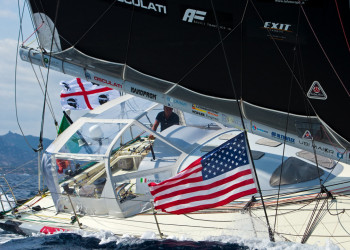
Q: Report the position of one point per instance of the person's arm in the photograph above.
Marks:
(155, 125)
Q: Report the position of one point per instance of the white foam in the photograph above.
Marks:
(251, 243)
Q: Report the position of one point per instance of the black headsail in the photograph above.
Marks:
(289, 60)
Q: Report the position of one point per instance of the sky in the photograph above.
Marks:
(29, 96)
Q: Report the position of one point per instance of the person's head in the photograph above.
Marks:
(167, 111)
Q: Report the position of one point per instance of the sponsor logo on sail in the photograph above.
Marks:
(259, 129)
(340, 155)
(291, 1)
(316, 91)
(198, 113)
(318, 148)
(307, 135)
(277, 26)
(209, 113)
(146, 180)
(99, 79)
(282, 137)
(172, 101)
(191, 15)
(207, 18)
(146, 5)
(144, 93)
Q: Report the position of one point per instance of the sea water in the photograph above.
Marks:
(26, 186)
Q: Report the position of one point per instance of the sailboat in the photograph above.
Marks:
(277, 69)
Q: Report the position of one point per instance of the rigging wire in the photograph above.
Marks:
(49, 103)
(285, 61)
(310, 226)
(241, 116)
(324, 52)
(93, 25)
(16, 168)
(41, 73)
(342, 26)
(16, 64)
(341, 224)
(239, 24)
(129, 40)
(40, 147)
(15, 81)
(283, 152)
(286, 128)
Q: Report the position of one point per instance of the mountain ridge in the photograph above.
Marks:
(15, 152)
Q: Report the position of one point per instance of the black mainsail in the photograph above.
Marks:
(286, 61)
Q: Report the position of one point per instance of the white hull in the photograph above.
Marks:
(108, 211)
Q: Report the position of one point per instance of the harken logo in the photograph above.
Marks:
(316, 91)
(307, 135)
(191, 14)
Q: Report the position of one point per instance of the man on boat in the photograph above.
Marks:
(166, 119)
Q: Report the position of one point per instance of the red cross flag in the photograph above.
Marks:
(79, 94)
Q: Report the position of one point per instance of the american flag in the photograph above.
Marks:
(217, 178)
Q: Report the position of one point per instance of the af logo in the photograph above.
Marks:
(191, 15)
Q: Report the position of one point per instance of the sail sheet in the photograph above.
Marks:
(286, 61)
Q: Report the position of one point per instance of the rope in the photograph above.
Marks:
(16, 64)
(40, 146)
(285, 132)
(19, 166)
(42, 23)
(242, 121)
(324, 52)
(97, 20)
(341, 23)
(215, 46)
(314, 219)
